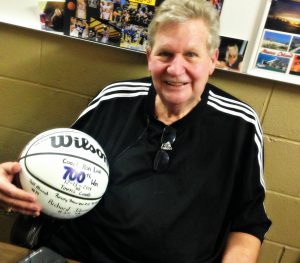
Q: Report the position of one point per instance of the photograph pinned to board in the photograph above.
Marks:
(284, 15)
(231, 54)
(280, 41)
(52, 15)
(295, 68)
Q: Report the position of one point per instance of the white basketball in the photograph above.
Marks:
(67, 170)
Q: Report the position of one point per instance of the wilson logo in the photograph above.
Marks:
(79, 143)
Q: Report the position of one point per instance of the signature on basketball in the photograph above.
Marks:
(67, 141)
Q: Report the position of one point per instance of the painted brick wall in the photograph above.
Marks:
(46, 80)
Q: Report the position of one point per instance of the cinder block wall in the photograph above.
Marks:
(46, 80)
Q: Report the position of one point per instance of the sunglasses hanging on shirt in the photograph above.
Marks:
(162, 157)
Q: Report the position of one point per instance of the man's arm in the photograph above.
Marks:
(241, 248)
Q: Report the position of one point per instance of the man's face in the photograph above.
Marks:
(179, 62)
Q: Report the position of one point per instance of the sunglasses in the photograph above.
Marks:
(162, 157)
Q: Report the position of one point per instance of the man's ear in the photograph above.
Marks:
(148, 54)
(214, 59)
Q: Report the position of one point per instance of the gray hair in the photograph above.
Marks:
(179, 11)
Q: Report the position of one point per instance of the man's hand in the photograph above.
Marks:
(13, 198)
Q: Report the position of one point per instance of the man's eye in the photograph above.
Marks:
(191, 54)
(165, 54)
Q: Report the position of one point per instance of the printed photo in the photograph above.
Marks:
(106, 10)
(272, 62)
(79, 28)
(284, 16)
(231, 53)
(295, 68)
(81, 9)
(274, 40)
(295, 45)
(52, 15)
(134, 37)
(139, 14)
(104, 33)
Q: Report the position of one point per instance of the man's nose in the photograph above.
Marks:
(176, 66)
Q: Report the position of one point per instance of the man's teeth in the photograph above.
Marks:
(176, 83)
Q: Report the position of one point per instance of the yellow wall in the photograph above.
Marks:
(46, 80)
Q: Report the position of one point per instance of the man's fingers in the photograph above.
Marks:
(11, 168)
(19, 205)
(26, 211)
(11, 191)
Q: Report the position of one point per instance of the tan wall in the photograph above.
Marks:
(46, 80)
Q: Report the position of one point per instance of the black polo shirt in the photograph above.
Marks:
(213, 184)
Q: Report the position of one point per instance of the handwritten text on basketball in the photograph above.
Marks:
(73, 175)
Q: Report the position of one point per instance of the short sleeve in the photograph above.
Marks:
(248, 210)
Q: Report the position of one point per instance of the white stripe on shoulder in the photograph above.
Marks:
(246, 108)
(124, 86)
(260, 161)
(239, 114)
(245, 112)
(103, 93)
(107, 97)
(119, 89)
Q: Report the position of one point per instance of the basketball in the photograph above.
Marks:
(67, 170)
(71, 6)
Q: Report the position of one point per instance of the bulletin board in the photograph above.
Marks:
(258, 37)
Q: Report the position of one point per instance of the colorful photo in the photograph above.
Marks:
(134, 37)
(274, 40)
(106, 10)
(104, 32)
(79, 28)
(81, 9)
(295, 45)
(284, 16)
(272, 62)
(295, 68)
(231, 53)
(52, 15)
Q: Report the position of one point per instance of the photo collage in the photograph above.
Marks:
(120, 23)
(279, 49)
